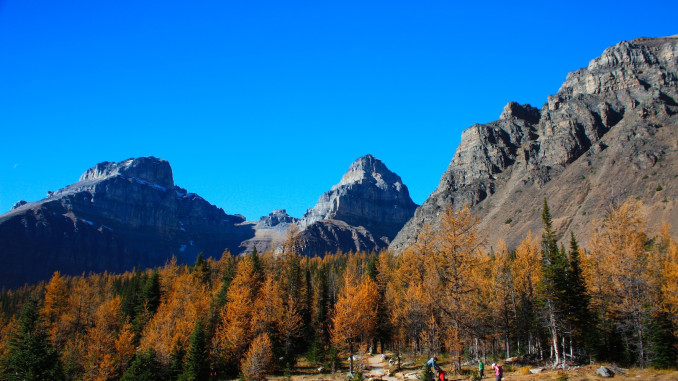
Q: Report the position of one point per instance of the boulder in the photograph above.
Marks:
(604, 372)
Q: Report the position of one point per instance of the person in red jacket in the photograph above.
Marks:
(498, 371)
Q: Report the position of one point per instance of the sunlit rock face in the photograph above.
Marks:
(609, 133)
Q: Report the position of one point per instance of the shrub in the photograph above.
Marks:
(659, 188)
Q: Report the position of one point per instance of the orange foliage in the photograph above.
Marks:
(355, 313)
(185, 299)
(234, 331)
(257, 361)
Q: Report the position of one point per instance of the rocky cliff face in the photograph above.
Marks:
(363, 212)
(118, 216)
(611, 132)
(270, 231)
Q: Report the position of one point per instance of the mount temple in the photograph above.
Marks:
(611, 132)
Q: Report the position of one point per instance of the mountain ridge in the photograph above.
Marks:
(610, 112)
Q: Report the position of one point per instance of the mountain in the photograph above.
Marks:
(364, 211)
(269, 232)
(611, 132)
(116, 217)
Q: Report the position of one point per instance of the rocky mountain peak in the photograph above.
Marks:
(277, 217)
(609, 122)
(372, 170)
(624, 67)
(150, 169)
(368, 195)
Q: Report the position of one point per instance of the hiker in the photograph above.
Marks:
(481, 368)
(433, 365)
(498, 371)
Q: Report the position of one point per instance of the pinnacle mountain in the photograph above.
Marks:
(368, 195)
(364, 211)
(609, 133)
(116, 217)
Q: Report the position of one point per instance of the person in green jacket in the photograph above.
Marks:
(481, 368)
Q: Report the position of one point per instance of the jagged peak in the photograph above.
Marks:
(525, 112)
(148, 168)
(368, 168)
(277, 217)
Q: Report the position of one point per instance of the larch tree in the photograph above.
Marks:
(184, 301)
(257, 361)
(355, 313)
(233, 333)
(451, 273)
(526, 272)
(619, 276)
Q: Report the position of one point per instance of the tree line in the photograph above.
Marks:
(251, 315)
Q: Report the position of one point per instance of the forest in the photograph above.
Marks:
(257, 314)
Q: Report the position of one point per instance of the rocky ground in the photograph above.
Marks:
(377, 367)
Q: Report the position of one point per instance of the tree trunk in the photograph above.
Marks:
(553, 327)
(350, 357)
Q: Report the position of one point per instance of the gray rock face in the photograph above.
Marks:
(363, 212)
(369, 195)
(588, 146)
(149, 169)
(330, 236)
(118, 216)
(277, 217)
(270, 231)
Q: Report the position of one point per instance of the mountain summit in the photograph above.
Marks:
(363, 212)
(608, 134)
(368, 195)
(116, 217)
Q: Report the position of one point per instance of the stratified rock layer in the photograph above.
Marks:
(611, 132)
(118, 216)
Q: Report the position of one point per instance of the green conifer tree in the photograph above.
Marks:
(552, 285)
(580, 318)
(197, 366)
(31, 356)
(176, 366)
(144, 367)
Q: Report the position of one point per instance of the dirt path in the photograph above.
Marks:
(377, 368)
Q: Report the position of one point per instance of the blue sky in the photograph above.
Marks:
(260, 105)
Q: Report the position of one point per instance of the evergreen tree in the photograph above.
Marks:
(151, 292)
(148, 303)
(31, 356)
(202, 270)
(552, 285)
(582, 332)
(144, 367)
(176, 366)
(197, 365)
(663, 344)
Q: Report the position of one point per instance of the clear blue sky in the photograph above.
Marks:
(260, 105)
